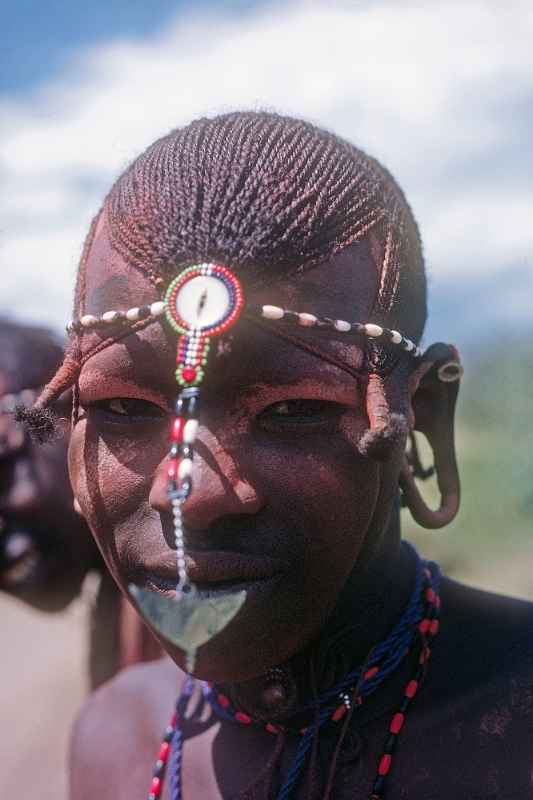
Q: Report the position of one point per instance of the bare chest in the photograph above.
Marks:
(436, 759)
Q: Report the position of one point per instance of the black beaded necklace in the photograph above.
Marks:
(414, 633)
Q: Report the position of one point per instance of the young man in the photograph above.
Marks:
(295, 597)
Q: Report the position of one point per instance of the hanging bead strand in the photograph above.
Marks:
(179, 470)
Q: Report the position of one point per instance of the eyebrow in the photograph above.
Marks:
(111, 366)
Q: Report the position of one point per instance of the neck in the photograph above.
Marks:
(372, 601)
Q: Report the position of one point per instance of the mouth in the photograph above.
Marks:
(215, 573)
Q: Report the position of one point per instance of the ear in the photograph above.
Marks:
(434, 386)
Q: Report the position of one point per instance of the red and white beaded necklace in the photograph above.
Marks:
(418, 627)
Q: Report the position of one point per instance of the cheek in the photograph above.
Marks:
(111, 476)
(326, 493)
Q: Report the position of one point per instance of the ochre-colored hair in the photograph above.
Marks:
(263, 194)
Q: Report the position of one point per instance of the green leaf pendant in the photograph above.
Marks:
(188, 620)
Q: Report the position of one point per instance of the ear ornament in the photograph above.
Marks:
(434, 403)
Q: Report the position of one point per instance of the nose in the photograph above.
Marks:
(219, 486)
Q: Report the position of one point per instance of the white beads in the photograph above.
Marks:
(374, 331)
(396, 337)
(190, 430)
(342, 325)
(307, 320)
(185, 469)
(218, 301)
(110, 316)
(156, 309)
(272, 312)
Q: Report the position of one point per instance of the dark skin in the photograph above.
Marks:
(283, 480)
(45, 547)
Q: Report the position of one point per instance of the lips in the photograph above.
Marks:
(219, 568)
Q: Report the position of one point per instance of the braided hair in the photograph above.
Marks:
(261, 193)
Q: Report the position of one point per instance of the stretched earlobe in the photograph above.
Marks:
(434, 387)
(386, 427)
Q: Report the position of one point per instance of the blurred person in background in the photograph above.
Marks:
(46, 549)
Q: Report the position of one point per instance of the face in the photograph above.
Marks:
(45, 548)
(282, 503)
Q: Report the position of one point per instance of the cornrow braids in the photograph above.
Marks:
(263, 194)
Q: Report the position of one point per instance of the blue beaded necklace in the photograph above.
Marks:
(415, 630)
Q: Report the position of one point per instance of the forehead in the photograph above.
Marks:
(345, 286)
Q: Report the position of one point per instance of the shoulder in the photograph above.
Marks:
(481, 671)
(118, 727)
(497, 628)
(478, 696)
(485, 640)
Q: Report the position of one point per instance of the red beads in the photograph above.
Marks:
(370, 673)
(177, 429)
(411, 689)
(189, 374)
(240, 716)
(424, 626)
(272, 728)
(164, 751)
(397, 722)
(339, 713)
(172, 469)
(384, 764)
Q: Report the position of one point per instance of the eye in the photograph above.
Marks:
(300, 413)
(129, 409)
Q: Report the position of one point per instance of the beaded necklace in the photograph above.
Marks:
(414, 632)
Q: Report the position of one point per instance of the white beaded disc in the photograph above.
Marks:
(203, 301)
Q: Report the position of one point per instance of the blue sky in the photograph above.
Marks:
(442, 94)
(39, 38)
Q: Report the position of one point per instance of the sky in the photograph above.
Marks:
(440, 93)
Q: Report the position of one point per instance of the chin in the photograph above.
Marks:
(266, 632)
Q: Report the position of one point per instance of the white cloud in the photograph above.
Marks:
(439, 92)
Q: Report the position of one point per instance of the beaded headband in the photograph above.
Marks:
(203, 301)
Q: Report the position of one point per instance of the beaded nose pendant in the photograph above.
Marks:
(202, 302)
